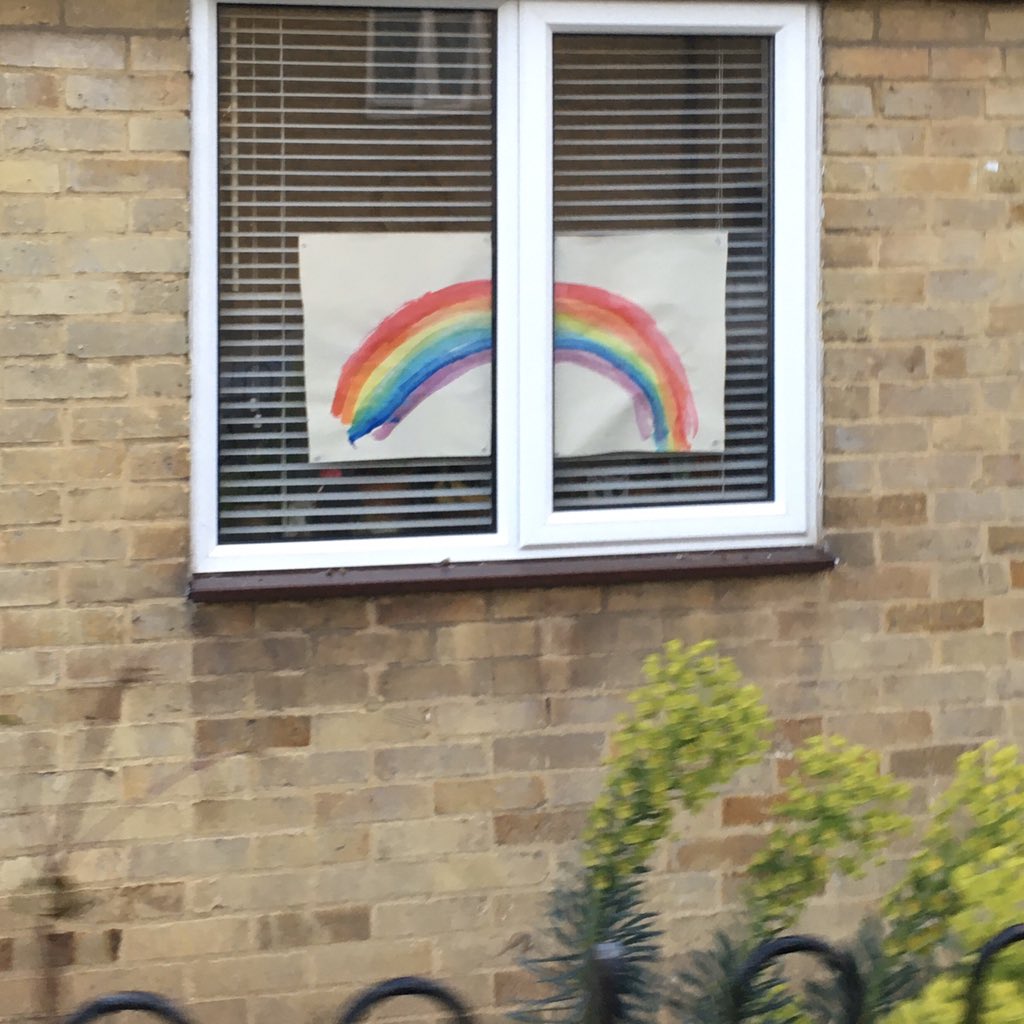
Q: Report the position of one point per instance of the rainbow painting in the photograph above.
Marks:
(609, 334)
(399, 344)
(434, 339)
(412, 354)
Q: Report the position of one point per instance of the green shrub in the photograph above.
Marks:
(838, 815)
(694, 726)
(981, 811)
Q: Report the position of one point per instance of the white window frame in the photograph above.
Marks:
(527, 525)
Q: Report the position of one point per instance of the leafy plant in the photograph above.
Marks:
(981, 811)
(943, 1002)
(693, 726)
(990, 895)
(604, 967)
(837, 815)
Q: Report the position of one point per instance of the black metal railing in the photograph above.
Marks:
(850, 987)
(841, 963)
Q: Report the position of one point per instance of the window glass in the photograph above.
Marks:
(304, 151)
(662, 153)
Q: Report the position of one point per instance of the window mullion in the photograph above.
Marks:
(536, 333)
(507, 369)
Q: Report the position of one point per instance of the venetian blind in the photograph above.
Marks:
(662, 131)
(335, 120)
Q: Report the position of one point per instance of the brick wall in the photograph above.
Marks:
(257, 808)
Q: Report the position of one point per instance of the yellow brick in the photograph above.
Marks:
(370, 729)
(123, 174)
(848, 23)
(1005, 24)
(31, 12)
(127, 92)
(940, 22)
(845, 100)
(129, 743)
(89, 984)
(57, 380)
(965, 138)
(967, 62)
(127, 254)
(918, 176)
(27, 48)
(29, 176)
(159, 133)
(111, 824)
(28, 90)
(142, 14)
(27, 587)
(31, 465)
(76, 215)
(158, 462)
(253, 816)
(25, 424)
(874, 139)
(58, 626)
(149, 214)
(280, 889)
(456, 913)
(927, 100)
(156, 53)
(56, 296)
(186, 939)
(877, 286)
(65, 133)
(275, 972)
(1000, 101)
(397, 840)
(876, 62)
(26, 668)
(486, 640)
(849, 251)
(467, 872)
(847, 176)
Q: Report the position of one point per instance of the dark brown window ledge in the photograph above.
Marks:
(300, 584)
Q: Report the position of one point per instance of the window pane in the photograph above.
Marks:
(658, 134)
(330, 123)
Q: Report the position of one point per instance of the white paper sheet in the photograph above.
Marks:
(639, 351)
(352, 283)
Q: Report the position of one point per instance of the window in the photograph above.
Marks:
(426, 60)
(489, 283)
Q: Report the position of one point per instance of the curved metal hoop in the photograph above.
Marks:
(1007, 937)
(410, 986)
(120, 1002)
(838, 961)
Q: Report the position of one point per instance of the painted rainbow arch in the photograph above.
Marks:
(431, 341)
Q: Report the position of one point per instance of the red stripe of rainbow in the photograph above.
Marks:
(432, 340)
